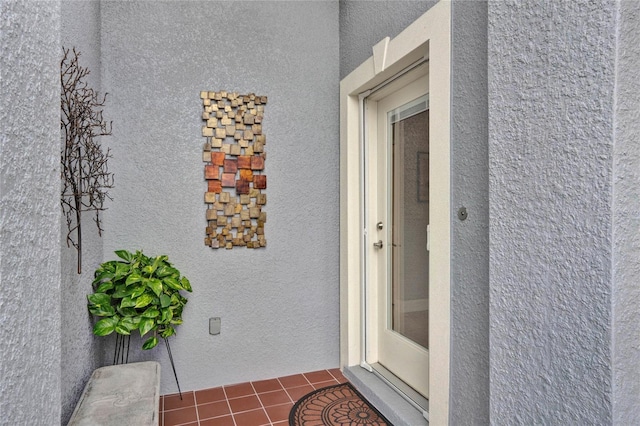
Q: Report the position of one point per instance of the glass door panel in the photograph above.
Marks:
(410, 218)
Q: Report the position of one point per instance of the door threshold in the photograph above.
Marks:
(387, 400)
(407, 392)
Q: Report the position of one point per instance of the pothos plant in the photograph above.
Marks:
(138, 293)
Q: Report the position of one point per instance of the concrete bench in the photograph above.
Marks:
(119, 395)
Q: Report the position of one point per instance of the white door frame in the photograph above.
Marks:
(429, 36)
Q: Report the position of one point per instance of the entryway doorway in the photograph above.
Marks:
(395, 214)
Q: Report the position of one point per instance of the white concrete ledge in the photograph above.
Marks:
(118, 395)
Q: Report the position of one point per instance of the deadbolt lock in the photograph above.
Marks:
(379, 226)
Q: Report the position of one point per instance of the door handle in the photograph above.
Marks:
(378, 245)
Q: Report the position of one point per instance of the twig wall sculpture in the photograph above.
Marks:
(85, 175)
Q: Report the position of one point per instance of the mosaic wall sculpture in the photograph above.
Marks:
(234, 157)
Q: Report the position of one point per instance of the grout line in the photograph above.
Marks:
(308, 381)
(285, 390)
(226, 398)
(261, 404)
(195, 403)
(277, 405)
(332, 375)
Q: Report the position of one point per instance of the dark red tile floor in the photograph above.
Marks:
(261, 403)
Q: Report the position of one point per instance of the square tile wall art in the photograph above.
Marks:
(234, 163)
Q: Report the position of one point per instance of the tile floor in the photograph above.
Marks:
(261, 403)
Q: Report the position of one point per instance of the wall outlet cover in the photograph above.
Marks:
(214, 325)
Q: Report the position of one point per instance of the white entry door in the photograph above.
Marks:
(398, 126)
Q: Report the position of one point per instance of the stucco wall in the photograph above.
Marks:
(364, 23)
(279, 305)
(29, 213)
(469, 387)
(626, 225)
(551, 103)
(81, 350)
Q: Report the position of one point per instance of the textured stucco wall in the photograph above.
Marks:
(81, 350)
(364, 23)
(469, 386)
(29, 213)
(626, 224)
(279, 305)
(551, 103)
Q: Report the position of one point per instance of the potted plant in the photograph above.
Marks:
(138, 293)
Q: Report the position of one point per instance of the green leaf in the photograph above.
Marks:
(164, 301)
(151, 343)
(105, 326)
(158, 261)
(166, 316)
(146, 325)
(169, 331)
(155, 285)
(127, 312)
(172, 283)
(133, 278)
(143, 300)
(137, 291)
(124, 254)
(120, 329)
(186, 284)
(163, 271)
(177, 311)
(121, 291)
(101, 299)
(101, 275)
(128, 323)
(122, 269)
(105, 286)
(128, 302)
(176, 321)
(151, 313)
(102, 311)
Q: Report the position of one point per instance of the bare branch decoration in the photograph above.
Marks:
(85, 175)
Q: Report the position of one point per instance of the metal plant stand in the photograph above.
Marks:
(120, 356)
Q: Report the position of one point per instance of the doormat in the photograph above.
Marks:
(335, 406)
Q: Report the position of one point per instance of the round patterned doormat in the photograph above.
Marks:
(339, 405)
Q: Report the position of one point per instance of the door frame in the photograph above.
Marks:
(428, 37)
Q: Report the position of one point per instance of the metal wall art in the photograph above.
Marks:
(234, 157)
(86, 179)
